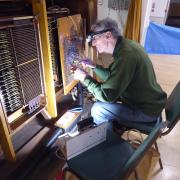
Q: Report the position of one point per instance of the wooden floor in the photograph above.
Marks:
(167, 69)
(169, 147)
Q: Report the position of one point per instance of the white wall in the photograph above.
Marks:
(159, 11)
(119, 16)
(145, 18)
(158, 14)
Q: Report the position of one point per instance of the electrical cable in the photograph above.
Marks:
(75, 25)
(57, 152)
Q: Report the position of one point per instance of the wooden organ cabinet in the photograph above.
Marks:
(35, 41)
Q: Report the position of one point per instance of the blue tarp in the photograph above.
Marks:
(162, 39)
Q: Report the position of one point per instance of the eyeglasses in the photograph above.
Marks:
(94, 35)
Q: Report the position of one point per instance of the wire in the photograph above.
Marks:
(75, 25)
(58, 152)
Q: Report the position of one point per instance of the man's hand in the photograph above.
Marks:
(88, 63)
(79, 75)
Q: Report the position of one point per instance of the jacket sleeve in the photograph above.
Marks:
(102, 73)
(121, 74)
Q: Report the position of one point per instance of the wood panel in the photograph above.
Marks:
(5, 138)
(71, 47)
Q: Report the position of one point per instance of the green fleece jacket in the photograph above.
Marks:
(130, 79)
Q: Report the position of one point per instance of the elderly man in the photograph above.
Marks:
(128, 90)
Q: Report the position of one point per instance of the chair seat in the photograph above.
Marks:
(103, 161)
(143, 127)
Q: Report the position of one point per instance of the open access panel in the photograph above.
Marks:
(71, 33)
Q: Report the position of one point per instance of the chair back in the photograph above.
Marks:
(136, 157)
(172, 109)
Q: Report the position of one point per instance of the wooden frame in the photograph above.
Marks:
(66, 27)
(5, 137)
(39, 8)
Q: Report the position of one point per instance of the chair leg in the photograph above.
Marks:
(160, 162)
(136, 174)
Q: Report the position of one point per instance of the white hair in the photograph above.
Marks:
(107, 24)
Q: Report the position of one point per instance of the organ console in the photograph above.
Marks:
(39, 41)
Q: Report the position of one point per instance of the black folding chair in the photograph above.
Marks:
(113, 159)
(172, 111)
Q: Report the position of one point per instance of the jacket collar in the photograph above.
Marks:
(119, 40)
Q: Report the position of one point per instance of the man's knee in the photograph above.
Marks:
(98, 112)
(96, 109)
